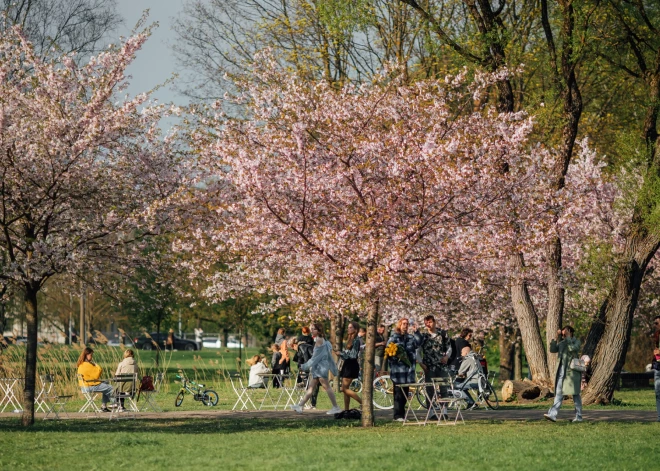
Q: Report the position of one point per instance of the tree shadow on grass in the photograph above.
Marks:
(179, 426)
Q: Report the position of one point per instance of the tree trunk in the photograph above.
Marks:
(555, 298)
(610, 354)
(528, 323)
(368, 368)
(518, 357)
(507, 347)
(337, 325)
(512, 390)
(30, 354)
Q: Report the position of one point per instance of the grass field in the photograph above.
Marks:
(262, 444)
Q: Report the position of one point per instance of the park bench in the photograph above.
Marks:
(636, 380)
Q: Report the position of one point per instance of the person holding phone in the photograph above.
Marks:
(567, 381)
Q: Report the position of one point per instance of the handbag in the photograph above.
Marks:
(577, 365)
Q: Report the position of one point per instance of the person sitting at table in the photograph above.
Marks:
(285, 360)
(468, 375)
(257, 368)
(91, 373)
(320, 366)
(127, 366)
(275, 361)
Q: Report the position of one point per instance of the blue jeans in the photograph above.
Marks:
(103, 388)
(657, 392)
(559, 396)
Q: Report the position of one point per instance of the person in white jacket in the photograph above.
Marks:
(257, 367)
(127, 366)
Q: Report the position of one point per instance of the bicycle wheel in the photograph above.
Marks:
(489, 395)
(421, 398)
(383, 392)
(356, 385)
(210, 398)
(179, 399)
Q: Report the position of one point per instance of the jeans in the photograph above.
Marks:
(400, 399)
(465, 388)
(657, 392)
(559, 396)
(103, 388)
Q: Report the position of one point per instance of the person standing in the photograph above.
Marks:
(463, 340)
(199, 339)
(279, 338)
(350, 370)
(320, 366)
(567, 381)
(169, 342)
(304, 352)
(275, 362)
(435, 352)
(656, 362)
(400, 372)
(380, 347)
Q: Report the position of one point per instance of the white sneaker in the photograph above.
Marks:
(334, 410)
(308, 406)
(297, 408)
(400, 419)
(550, 418)
(576, 420)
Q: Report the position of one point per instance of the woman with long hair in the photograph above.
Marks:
(350, 370)
(401, 372)
(320, 366)
(90, 373)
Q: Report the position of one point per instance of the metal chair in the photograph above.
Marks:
(90, 398)
(149, 395)
(48, 400)
(242, 393)
(125, 393)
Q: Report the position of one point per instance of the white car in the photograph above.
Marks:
(214, 342)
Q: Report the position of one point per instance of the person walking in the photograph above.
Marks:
(656, 362)
(199, 339)
(320, 366)
(567, 381)
(400, 371)
(350, 370)
(304, 352)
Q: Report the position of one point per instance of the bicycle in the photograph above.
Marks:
(485, 392)
(208, 397)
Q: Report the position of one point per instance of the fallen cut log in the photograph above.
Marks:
(512, 390)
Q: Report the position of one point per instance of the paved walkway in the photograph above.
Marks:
(498, 415)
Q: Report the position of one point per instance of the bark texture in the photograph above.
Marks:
(368, 368)
(31, 318)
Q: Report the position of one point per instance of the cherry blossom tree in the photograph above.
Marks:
(367, 198)
(86, 176)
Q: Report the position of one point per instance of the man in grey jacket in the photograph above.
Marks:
(468, 375)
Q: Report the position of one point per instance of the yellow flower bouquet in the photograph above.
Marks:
(394, 350)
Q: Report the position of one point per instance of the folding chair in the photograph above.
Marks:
(125, 392)
(149, 395)
(242, 393)
(90, 398)
(446, 398)
(48, 400)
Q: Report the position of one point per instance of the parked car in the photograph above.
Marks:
(145, 343)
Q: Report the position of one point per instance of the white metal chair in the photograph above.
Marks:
(125, 392)
(242, 393)
(149, 400)
(48, 400)
(90, 398)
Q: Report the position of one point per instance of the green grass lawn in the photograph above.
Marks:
(263, 444)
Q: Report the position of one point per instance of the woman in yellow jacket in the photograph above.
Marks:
(91, 373)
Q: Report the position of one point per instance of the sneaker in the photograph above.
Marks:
(399, 419)
(312, 407)
(297, 408)
(550, 418)
(334, 410)
(121, 409)
(576, 420)
(105, 409)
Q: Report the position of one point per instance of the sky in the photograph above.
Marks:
(155, 63)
